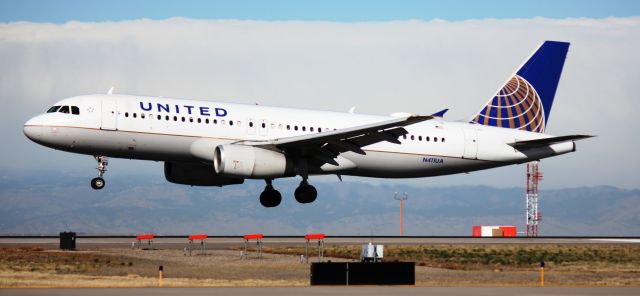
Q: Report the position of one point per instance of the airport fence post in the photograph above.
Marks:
(541, 273)
(347, 274)
(306, 252)
(244, 254)
(160, 269)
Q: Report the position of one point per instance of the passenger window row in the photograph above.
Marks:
(183, 119)
(290, 127)
(251, 124)
(420, 138)
(223, 122)
(304, 128)
(74, 110)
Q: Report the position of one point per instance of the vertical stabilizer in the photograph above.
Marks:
(524, 101)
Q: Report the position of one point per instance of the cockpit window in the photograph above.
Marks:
(65, 109)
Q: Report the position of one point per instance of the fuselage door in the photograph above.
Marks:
(109, 114)
(470, 144)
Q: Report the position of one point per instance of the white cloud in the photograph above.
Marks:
(380, 67)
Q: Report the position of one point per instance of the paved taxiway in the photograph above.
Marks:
(351, 291)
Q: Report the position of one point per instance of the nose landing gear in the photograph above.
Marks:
(98, 183)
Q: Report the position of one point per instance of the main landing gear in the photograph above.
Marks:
(271, 197)
(305, 193)
(98, 183)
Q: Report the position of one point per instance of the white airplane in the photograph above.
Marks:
(207, 143)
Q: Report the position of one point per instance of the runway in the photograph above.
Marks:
(352, 291)
(174, 242)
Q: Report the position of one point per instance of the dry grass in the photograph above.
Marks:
(515, 265)
(623, 257)
(136, 268)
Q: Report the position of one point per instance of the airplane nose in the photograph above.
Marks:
(31, 129)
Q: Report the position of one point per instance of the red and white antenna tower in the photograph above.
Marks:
(533, 215)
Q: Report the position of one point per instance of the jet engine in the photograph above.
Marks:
(196, 174)
(251, 162)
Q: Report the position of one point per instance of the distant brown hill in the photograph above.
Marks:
(137, 204)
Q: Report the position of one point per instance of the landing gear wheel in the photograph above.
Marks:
(305, 193)
(270, 198)
(97, 183)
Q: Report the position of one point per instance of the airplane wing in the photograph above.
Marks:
(528, 144)
(327, 145)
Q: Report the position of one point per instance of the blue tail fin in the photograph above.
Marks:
(524, 101)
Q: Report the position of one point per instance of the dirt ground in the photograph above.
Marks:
(125, 267)
(33, 267)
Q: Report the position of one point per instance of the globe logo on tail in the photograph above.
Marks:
(517, 105)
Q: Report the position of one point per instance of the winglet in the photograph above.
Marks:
(110, 91)
(440, 113)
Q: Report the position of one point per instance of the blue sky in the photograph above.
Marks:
(329, 10)
(380, 67)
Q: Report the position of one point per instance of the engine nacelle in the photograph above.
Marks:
(250, 162)
(196, 174)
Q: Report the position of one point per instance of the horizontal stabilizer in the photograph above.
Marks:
(522, 145)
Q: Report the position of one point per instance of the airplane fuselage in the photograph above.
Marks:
(164, 129)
